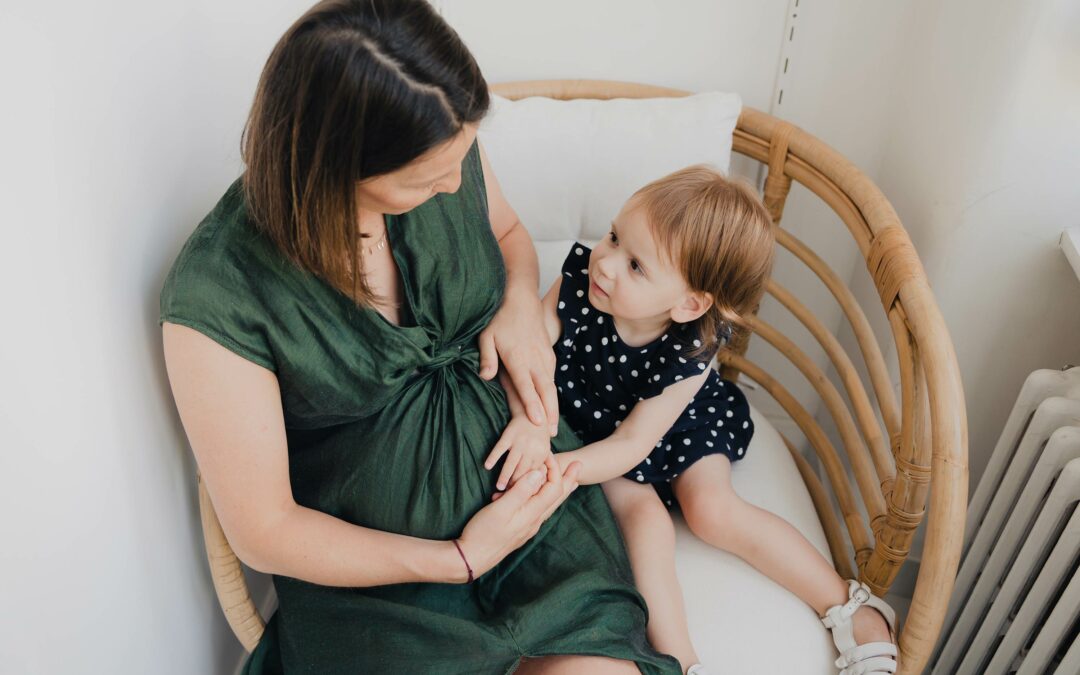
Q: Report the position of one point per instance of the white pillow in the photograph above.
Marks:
(567, 167)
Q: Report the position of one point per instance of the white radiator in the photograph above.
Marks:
(1016, 602)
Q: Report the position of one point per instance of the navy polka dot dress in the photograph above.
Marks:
(599, 379)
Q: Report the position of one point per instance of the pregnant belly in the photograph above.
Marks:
(415, 467)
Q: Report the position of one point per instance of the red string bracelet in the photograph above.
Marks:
(462, 554)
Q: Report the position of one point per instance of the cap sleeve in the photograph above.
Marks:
(573, 290)
(210, 289)
(672, 364)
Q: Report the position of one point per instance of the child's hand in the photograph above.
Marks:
(526, 446)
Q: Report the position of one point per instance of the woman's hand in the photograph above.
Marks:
(504, 525)
(526, 446)
(517, 335)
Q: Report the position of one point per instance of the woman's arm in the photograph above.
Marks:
(526, 445)
(636, 436)
(552, 328)
(516, 334)
(231, 411)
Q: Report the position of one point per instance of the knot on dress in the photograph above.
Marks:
(451, 353)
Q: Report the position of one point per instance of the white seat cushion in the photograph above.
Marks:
(567, 167)
(740, 620)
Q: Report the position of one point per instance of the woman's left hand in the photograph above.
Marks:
(517, 335)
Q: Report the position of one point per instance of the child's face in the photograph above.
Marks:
(630, 279)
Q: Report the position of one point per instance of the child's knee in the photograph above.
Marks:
(713, 513)
(646, 517)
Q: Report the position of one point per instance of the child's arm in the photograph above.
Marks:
(634, 439)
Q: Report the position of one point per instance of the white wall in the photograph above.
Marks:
(695, 44)
(120, 125)
(982, 163)
(982, 160)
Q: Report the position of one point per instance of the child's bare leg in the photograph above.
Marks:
(650, 541)
(768, 542)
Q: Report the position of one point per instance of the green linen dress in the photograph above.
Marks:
(388, 427)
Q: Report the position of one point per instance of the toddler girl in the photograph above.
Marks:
(635, 323)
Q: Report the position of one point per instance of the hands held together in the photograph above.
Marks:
(538, 485)
(504, 525)
(534, 482)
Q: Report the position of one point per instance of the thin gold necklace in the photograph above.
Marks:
(377, 246)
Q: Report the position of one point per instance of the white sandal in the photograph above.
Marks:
(865, 659)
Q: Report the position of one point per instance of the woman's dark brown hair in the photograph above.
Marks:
(353, 90)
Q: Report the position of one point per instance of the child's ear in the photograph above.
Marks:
(693, 305)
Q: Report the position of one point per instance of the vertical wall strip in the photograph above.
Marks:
(783, 70)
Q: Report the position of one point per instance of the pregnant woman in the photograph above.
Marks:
(332, 332)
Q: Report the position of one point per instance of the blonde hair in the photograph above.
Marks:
(719, 235)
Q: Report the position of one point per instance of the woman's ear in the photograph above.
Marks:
(693, 305)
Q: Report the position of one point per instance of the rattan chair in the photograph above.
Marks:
(924, 435)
